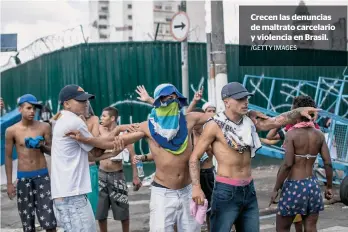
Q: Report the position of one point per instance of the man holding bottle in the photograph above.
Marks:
(113, 189)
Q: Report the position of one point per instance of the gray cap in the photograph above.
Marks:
(234, 90)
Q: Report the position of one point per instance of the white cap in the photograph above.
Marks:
(207, 105)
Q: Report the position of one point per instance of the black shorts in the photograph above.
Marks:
(34, 195)
(207, 183)
(113, 192)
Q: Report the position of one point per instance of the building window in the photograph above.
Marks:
(130, 28)
(168, 8)
(130, 17)
(104, 8)
(130, 38)
(158, 7)
(103, 27)
(102, 36)
(103, 17)
(168, 19)
(129, 6)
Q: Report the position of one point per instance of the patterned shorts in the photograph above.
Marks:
(34, 195)
(113, 193)
(300, 197)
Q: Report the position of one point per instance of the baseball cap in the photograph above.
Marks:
(29, 98)
(74, 92)
(234, 90)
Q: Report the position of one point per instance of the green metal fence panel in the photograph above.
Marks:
(112, 71)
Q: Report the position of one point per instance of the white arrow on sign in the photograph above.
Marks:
(179, 26)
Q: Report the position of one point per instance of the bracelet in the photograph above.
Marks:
(145, 158)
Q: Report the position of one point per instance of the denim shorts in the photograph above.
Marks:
(75, 214)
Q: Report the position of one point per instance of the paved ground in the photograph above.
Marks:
(334, 218)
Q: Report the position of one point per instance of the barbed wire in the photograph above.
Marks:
(47, 44)
(81, 34)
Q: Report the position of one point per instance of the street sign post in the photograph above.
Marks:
(179, 26)
(8, 42)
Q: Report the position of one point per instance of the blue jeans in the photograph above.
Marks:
(75, 214)
(234, 205)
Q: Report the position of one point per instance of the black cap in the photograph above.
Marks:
(234, 90)
(74, 92)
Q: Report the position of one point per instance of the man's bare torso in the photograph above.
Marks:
(305, 141)
(231, 164)
(108, 165)
(172, 171)
(28, 159)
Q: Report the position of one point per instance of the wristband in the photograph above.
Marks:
(145, 159)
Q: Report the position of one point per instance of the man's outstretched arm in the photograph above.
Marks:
(97, 154)
(283, 119)
(132, 137)
(105, 142)
(197, 118)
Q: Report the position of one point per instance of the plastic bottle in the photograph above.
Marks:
(140, 168)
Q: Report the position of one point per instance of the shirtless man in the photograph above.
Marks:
(33, 187)
(233, 137)
(171, 190)
(112, 184)
(301, 194)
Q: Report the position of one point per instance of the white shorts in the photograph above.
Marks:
(169, 207)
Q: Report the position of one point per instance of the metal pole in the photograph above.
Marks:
(210, 74)
(219, 67)
(210, 79)
(184, 60)
(218, 51)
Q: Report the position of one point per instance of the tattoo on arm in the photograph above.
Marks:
(288, 117)
(194, 172)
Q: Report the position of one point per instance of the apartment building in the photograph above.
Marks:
(113, 21)
(131, 20)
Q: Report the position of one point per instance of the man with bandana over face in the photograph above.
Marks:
(167, 132)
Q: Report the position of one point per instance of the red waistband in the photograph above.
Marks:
(234, 182)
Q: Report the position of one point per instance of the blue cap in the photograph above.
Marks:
(29, 98)
(166, 90)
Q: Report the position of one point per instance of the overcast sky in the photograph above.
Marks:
(33, 19)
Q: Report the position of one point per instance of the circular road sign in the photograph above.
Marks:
(179, 26)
